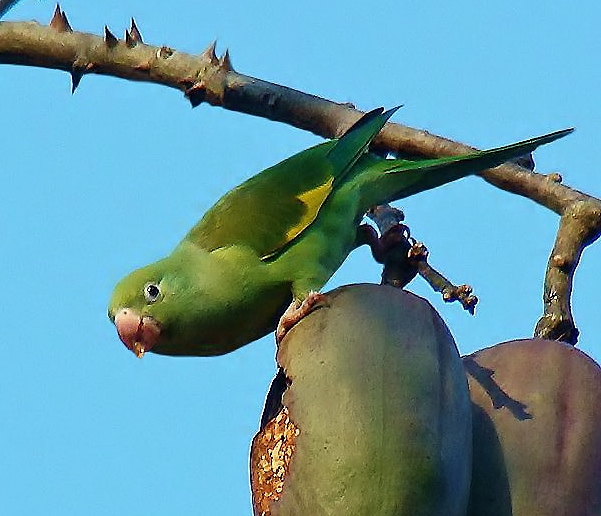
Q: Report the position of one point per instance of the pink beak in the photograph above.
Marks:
(139, 334)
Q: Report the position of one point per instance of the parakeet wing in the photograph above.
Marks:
(272, 208)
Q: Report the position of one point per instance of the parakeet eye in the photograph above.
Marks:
(151, 292)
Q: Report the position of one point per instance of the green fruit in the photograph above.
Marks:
(537, 430)
(376, 418)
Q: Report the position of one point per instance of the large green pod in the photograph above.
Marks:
(537, 430)
(375, 417)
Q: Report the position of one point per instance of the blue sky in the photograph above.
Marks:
(106, 180)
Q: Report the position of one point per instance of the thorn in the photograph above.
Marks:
(78, 70)
(133, 36)
(134, 32)
(210, 54)
(225, 62)
(76, 76)
(59, 21)
(196, 93)
(109, 38)
(194, 101)
(56, 17)
(66, 22)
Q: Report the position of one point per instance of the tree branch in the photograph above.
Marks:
(207, 78)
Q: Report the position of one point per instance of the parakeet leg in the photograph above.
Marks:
(296, 311)
(392, 250)
(380, 247)
(367, 235)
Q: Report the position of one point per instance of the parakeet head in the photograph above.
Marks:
(196, 303)
(141, 304)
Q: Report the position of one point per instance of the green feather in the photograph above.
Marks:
(391, 180)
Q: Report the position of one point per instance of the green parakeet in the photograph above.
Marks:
(275, 238)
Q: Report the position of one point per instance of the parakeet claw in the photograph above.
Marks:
(296, 311)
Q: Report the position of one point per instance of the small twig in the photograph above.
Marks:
(404, 258)
(418, 254)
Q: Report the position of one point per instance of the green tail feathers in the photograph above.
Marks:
(390, 180)
(402, 178)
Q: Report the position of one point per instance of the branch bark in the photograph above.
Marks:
(207, 78)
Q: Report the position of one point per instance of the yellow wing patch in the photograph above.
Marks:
(312, 200)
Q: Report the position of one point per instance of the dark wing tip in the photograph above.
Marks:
(551, 137)
(562, 132)
(392, 111)
(365, 119)
(371, 115)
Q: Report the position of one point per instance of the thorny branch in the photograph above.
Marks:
(207, 78)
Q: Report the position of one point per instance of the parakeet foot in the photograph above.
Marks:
(296, 311)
